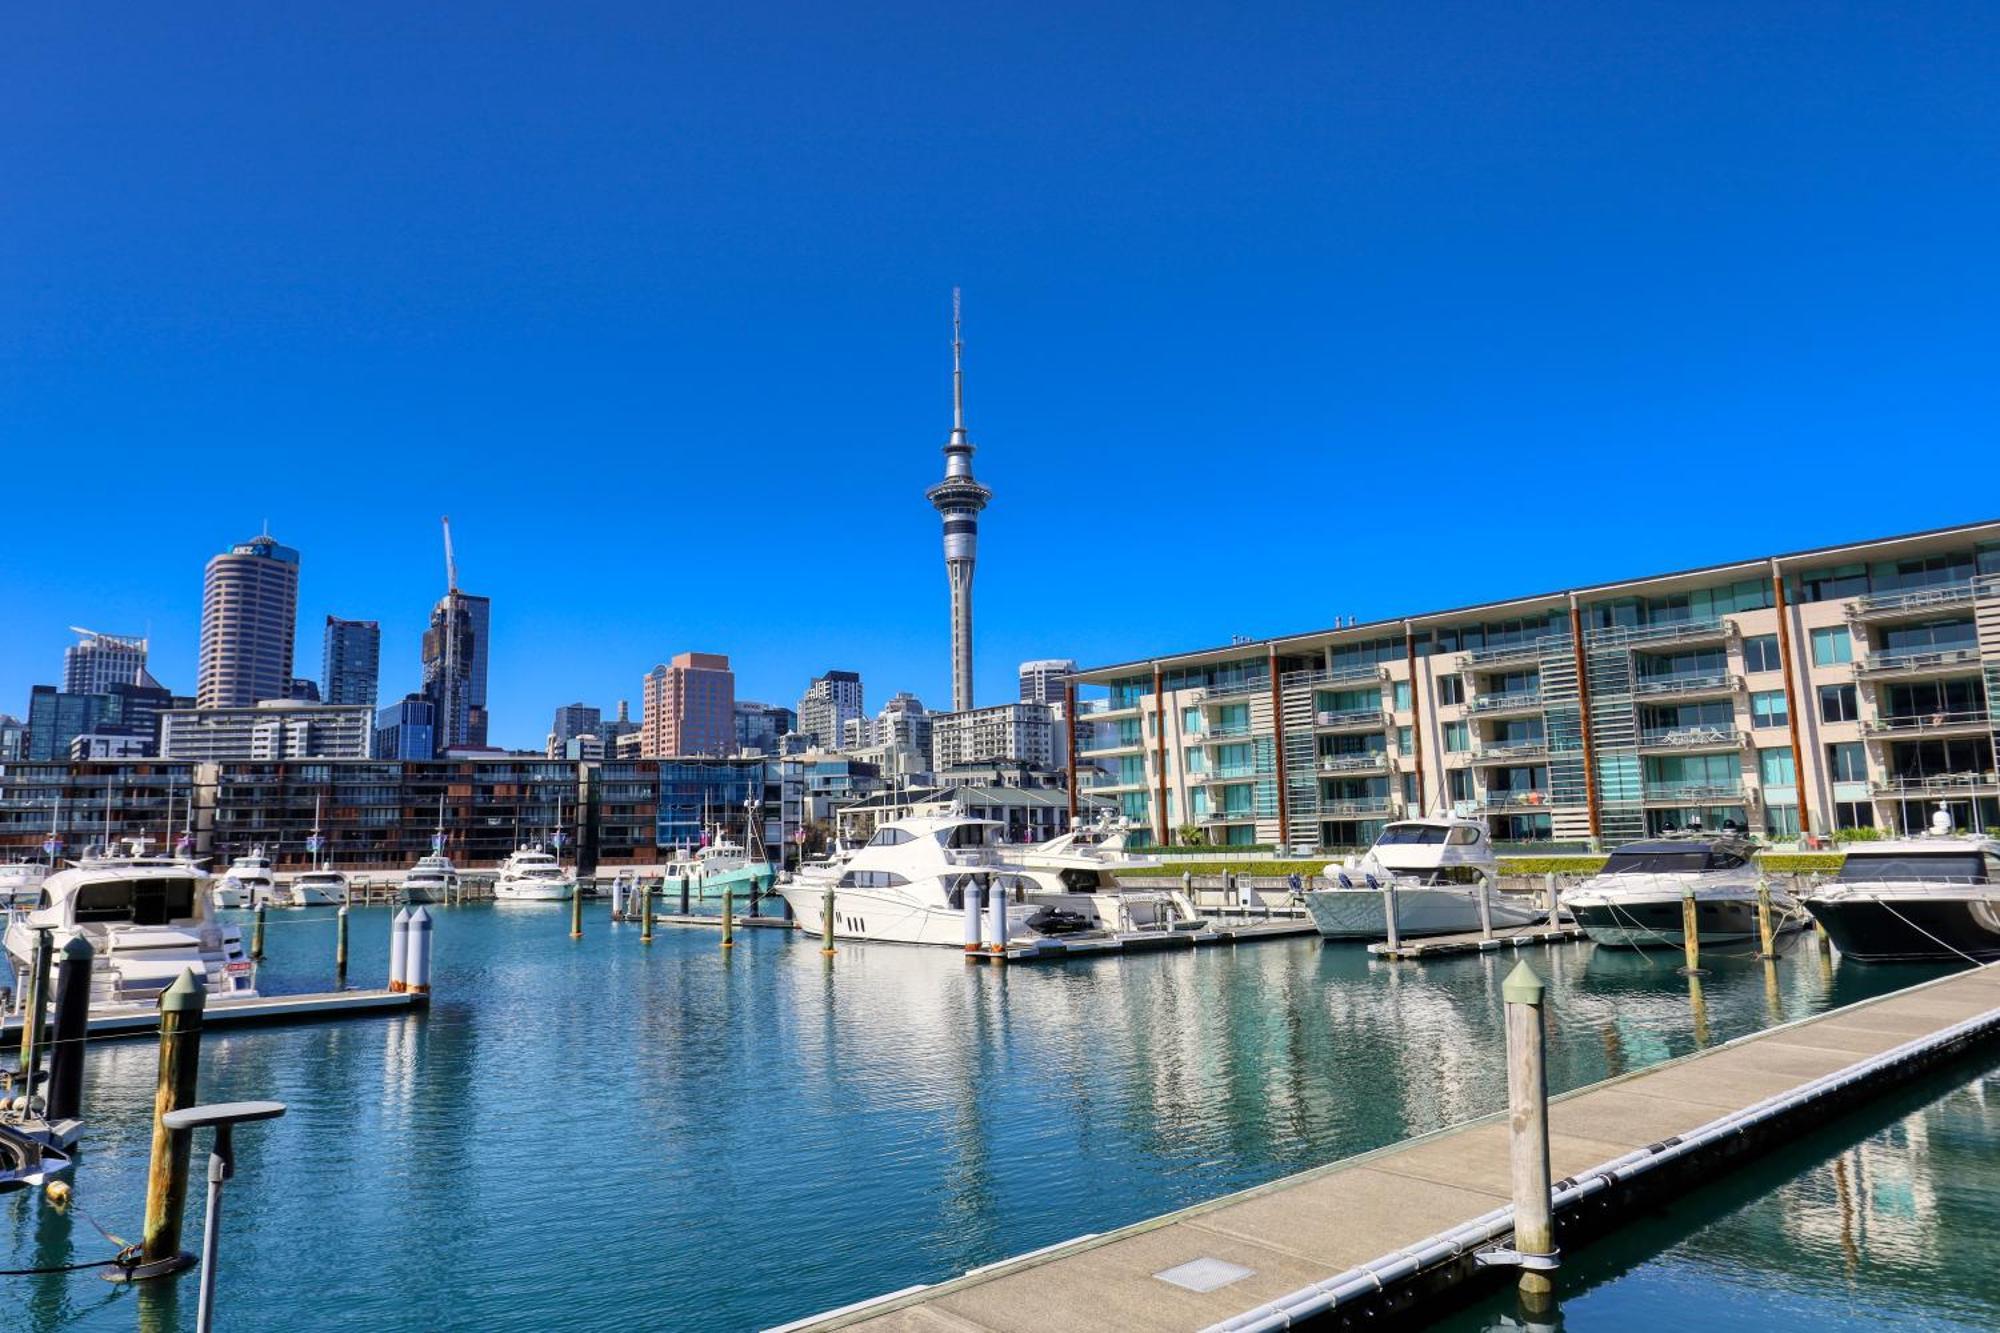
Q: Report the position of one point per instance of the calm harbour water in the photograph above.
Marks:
(600, 1133)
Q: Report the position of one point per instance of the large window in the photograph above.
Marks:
(1767, 710)
(1459, 781)
(1457, 737)
(1760, 653)
(1401, 693)
(1451, 689)
(1775, 767)
(1406, 740)
(1847, 761)
(1837, 703)
(1831, 645)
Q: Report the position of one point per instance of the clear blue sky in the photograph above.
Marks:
(1274, 314)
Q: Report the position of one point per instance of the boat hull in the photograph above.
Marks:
(1944, 929)
(1361, 914)
(861, 914)
(1655, 923)
(504, 892)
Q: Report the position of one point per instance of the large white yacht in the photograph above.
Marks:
(1635, 901)
(313, 888)
(431, 880)
(1076, 873)
(21, 883)
(1440, 865)
(908, 884)
(147, 919)
(246, 883)
(533, 875)
(1930, 899)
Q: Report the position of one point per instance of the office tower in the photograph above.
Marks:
(249, 614)
(758, 726)
(688, 707)
(958, 500)
(455, 649)
(573, 720)
(96, 661)
(1042, 682)
(618, 729)
(302, 691)
(57, 717)
(350, 661)
(827, 704)
(406, 730)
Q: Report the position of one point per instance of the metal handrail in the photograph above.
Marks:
(1687, 738)
(1365, 805)
(1227, 731)
(1532, 650)
(1352, 763)
(1929, 721)
(1351, 717)
(1696, 791)
(1516, 800)
(1685, 683)
(1673, 631)
(1511, 699)
(1913, 599)
(1331, 676)
(1883, 663)
(1514, 750)
(1942, 783)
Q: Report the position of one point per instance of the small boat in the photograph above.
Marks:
(1636, 900)
(719, 863)
(431, 880)
(146, 918)
(21, 883)
(533, 875)
(1934, 898)
(1441, 866)
(246, 883)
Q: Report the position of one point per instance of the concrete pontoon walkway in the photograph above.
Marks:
(138, 1020)
(1269, 1242)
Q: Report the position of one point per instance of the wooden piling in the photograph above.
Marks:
(340, 944)
(576, 912)
(1389, 915)
(1766, 936)
(65, 1095)
(35, 1008)
(1690, 932)
(646, 912)
(181, 1007)
(1528, 1137)
(826, 920)
(728, 916)
(257, 933)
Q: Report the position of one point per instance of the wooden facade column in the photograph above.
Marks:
(1160, 754)
(1583, 712)
(1791, 701)
(1416, 717)
(1278, 732)
(1069, 725)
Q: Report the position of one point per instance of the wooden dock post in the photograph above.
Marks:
(1528, 1137)
(1690, 933)
(257, 933)
(65, 1095)
(35, 1009)
(181, 1006)
(340, 945)
(729, 916)
(646, 912)
(1698, 1003)
(1389, 915)
(576, 912)
(1766, 937)
(826, 920)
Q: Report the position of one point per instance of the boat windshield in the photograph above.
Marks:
(1955, 867)
(1411, 834)
(963, 835)
(1692, 861)
(143, 902)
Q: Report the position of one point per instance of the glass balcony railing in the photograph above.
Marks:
(1223, 731)
(1938, 596)
(1937, 721)
(1358, 717)
(1352, 763)
(1350, 675)
(1684, 682)
(1909, 661)
(1514, 800)
(1504, 751)
(1360, 805)
(1701, 736)
(1509, 701)
(1694, 793)
(1669, 631)
(1938, 784)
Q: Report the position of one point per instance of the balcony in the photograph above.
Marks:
(1684, 684)
(1354, 675)
(1353, 763)
(1228, 817)
(1233, 692)
(1360, 719)
(1111, 747)
(1505, 802)
(1911, 602)
(1713, 630)
(1695, 793)
(1702, 737)
(1508, 753)
(1360, 805)
(1511, 701)
(1941, 784)
(1511, 653)
(1226, 731)
(1928, 662)
(1928, 724)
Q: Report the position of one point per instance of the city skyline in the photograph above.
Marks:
(1364, 266)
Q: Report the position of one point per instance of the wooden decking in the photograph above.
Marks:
(1443, 946)
(1308, 1228)
(133, 1020)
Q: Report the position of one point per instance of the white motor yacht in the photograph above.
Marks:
(21, 883)
(431, 880)
(147, 919)
(532, 875)
(314, 888)
(246, 883)
(1636, 900)
(908, 884)
(1930, 899)
(1077, 873)
(1441, 866)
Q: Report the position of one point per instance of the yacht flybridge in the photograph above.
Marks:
(1440, 866)
(146, 918)
(21, 883)
(1929, 899)
(532, 875)
(1636, 900)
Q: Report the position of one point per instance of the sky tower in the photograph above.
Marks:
(958, 500)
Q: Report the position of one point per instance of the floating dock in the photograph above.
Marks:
(139, 1020)
(1386, 1234)
(1444, 946)
(1094, 944)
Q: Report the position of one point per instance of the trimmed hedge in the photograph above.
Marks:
(1776, 863)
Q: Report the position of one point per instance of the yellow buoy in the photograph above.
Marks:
(58, 1192)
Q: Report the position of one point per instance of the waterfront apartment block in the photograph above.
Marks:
(273, 729)
(1024, 732)
(249, 614)
(1852, 686)
(380, 815)
(96, 662)
(826, 706)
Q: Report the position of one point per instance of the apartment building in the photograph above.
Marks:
(1851, 686)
